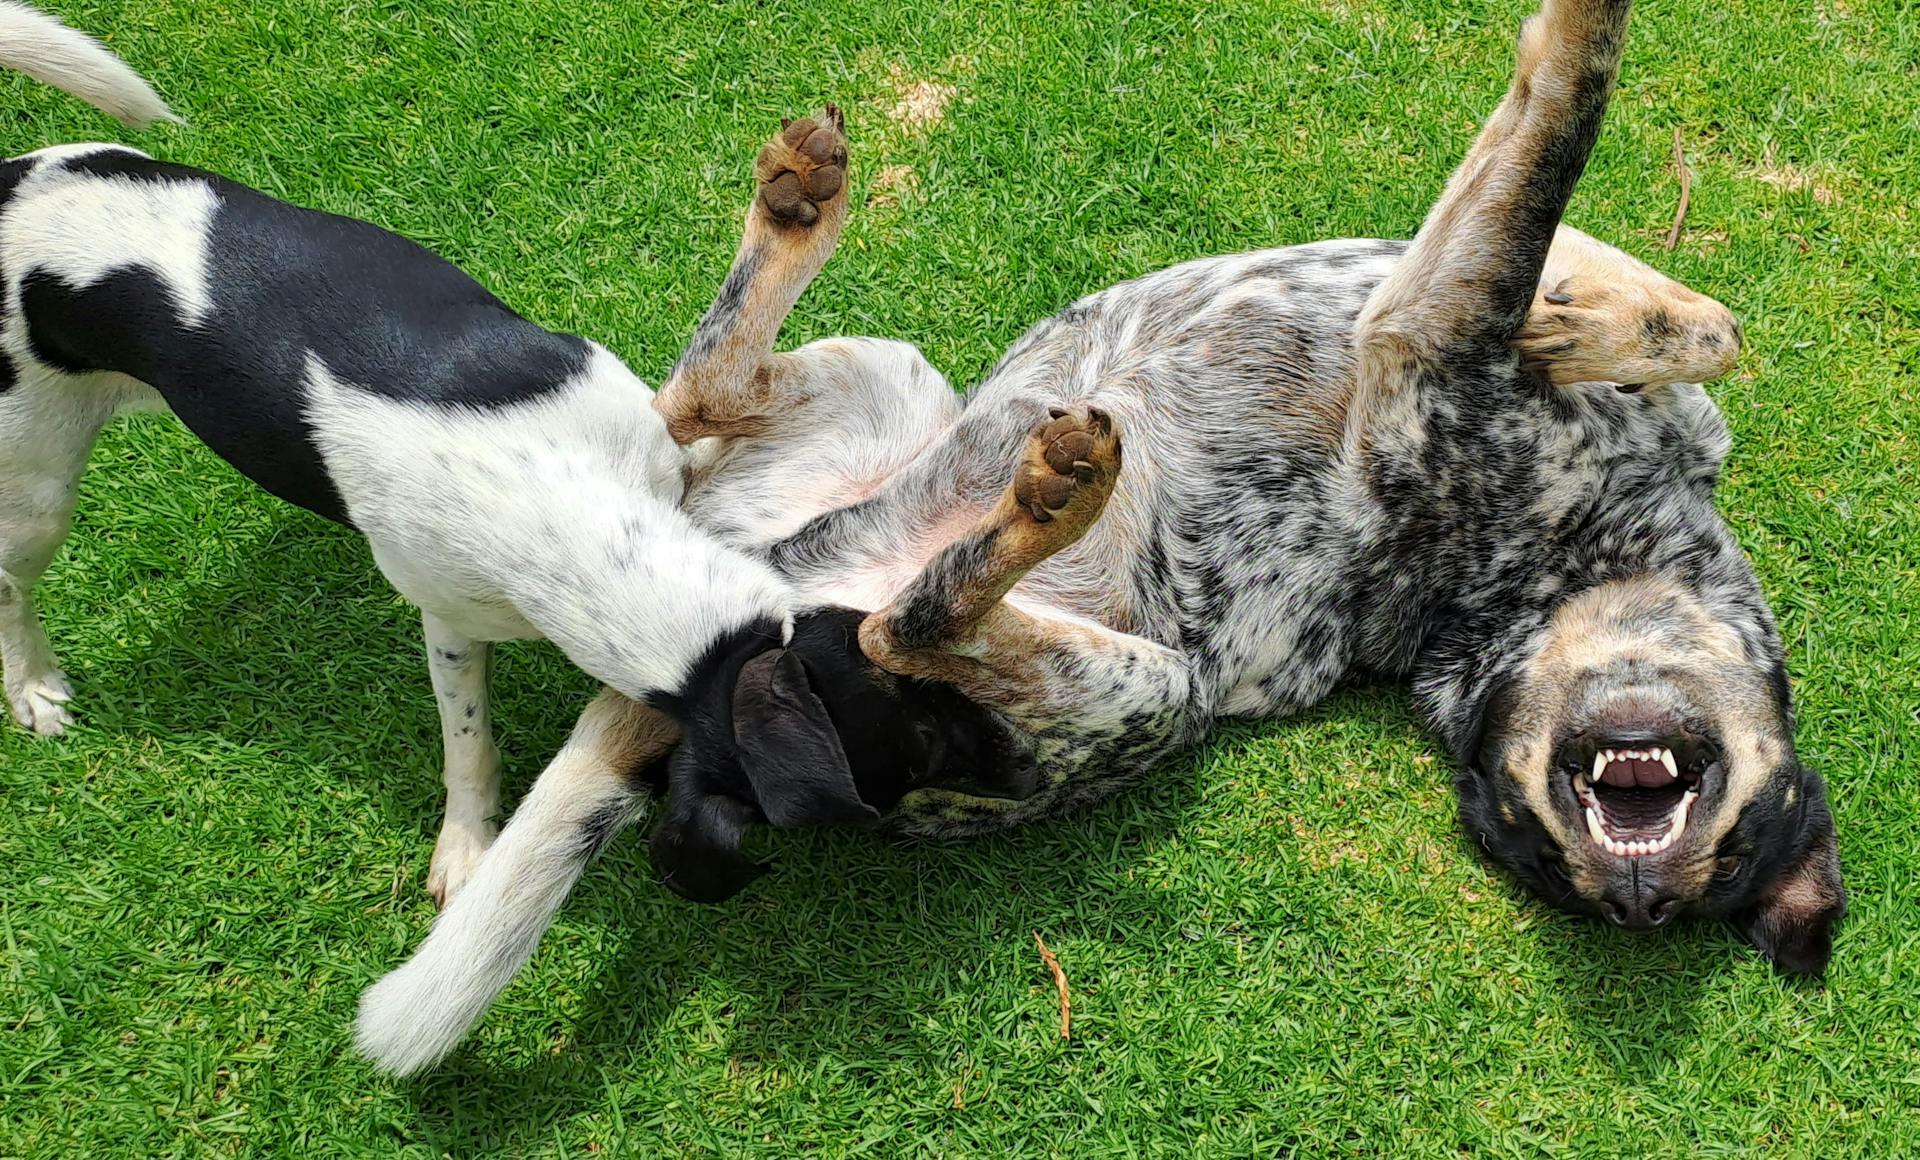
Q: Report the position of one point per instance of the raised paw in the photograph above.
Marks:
(40, 703)
(1071, 462)
(455, 858)
(1582, 330)
(803, 170)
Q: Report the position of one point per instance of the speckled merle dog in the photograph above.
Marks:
(1480, 461)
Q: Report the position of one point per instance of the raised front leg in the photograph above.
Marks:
(459, 668)
(728, 381)
(954, 624)
(1453, 305)
(593, 789)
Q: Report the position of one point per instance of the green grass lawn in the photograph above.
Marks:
(1281, 945)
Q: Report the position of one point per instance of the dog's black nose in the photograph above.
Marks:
(1640, 910)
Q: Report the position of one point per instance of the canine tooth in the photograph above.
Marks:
(1593, 827)
(1599, 764)
(1666, 759)
(1680, 815)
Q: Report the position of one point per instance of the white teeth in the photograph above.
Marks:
(1599, 765)
(1609, 754)
(1666, 759)
(1639, 847)
(1680, 815)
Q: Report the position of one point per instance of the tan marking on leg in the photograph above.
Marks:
(1602, 315)
(728, 381)
(1451, 291)
(1062, 483)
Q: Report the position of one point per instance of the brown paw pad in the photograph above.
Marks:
(1073, 450)
(803, 167)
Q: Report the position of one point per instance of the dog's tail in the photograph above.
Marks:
(48, 51)
(417, 1013)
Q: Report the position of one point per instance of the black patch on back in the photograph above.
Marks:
(382, 313)
(12, 172)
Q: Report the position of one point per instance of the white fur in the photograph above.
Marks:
(413, 1016)
(458, 665)
(553, 518)
(54, 222)
(48, 51)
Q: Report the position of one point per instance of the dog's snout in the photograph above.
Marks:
(1640, 909)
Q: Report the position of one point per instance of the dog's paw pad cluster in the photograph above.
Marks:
(1068, 453)
(803, 168)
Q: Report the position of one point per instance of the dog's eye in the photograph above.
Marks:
(1728, 866)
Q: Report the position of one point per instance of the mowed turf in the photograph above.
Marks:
(1281, 945)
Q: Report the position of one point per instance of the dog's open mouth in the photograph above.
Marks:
(1636, 800)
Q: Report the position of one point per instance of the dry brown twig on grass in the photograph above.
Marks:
(1059, 984)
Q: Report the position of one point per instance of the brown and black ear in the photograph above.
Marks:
(789, 748)
(1792, 923)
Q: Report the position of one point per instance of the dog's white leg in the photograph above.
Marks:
(459, 667)
(48, 422)
(416, 1014)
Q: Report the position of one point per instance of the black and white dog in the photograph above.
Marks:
(512, 482)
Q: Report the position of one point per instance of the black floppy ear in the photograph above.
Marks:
(789, 748)
(696, 849)
(1792, 923)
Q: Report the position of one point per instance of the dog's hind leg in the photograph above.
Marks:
(728, 381)
(954, 622)
(1601, 315)
(459, 668)
(594, 787)
(805, 431)
(48, 423)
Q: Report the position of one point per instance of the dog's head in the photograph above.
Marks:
(1640, 765)
(810, 732)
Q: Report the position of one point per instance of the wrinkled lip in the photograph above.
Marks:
(1635, 795)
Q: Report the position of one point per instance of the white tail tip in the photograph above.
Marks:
(48, 51)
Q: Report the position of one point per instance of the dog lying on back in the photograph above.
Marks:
(1478, 461)
(512, 482)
